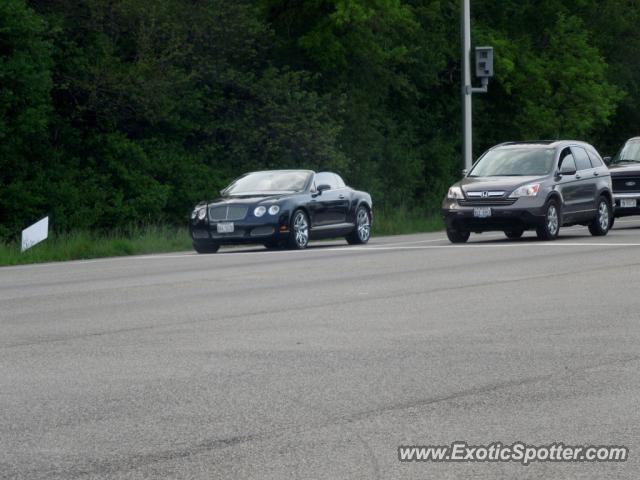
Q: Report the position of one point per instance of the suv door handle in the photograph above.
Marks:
(595, 174)
(341, 196)
(578, 177)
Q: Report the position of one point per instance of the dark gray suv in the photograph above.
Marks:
(542, 185)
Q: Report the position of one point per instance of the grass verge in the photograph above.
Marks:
(158, 239)
(401, 222)
(83, 245)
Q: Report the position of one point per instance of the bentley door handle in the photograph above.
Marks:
(340, 196)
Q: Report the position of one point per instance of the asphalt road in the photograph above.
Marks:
(319, 364)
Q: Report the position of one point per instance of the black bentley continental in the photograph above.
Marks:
(282, 208)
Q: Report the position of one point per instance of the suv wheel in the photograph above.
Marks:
(601, 224)
(551, 226)
(514, 233)
(457, 236)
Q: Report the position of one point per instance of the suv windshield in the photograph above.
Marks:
(629, 153)
(509, 162)
(259, 183)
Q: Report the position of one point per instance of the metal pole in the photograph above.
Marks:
(465, 23)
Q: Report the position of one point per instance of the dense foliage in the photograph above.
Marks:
(121, 111)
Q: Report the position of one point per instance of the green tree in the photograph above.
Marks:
(551, 81)
(25, 83)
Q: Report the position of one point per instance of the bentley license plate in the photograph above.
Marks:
(482, 212)
(225, 227)
(628, 203)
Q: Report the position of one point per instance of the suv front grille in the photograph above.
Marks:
(227, 213)
(488, 202)
(626, 184)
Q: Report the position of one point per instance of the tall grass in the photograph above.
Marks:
(84, 244)
(161, 238)
(402, 221)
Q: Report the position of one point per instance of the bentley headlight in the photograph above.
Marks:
(455, 193)
(260, 211)
(530, 190)
(274, 209)
(202, 213)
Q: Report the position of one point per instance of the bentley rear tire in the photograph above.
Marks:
(206, 248)
(273, 245)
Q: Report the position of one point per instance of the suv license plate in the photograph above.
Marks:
(628, 203)
(226, 227)
(482, 212)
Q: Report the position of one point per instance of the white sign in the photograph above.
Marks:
(35, 233)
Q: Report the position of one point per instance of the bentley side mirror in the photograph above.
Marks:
(322, 188)
(464, 172)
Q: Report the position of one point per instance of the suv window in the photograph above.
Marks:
(596, 161)
(581, 158)
(567, 160)
(326, 178)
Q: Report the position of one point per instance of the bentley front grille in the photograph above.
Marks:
(226, 213)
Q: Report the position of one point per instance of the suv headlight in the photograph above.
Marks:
(454, 193)
(260, 211)
(274, 209)
(530, 190)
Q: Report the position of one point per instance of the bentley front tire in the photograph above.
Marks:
(362, 232)
(299, 228)
(457, 236)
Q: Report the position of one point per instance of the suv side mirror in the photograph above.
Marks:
(567, 170)
(606, 160)
(322, 188)
(464, 172)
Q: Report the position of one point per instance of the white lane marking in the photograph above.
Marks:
(407, 246)
(501, 245)
(442, 239)
(373, 246)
